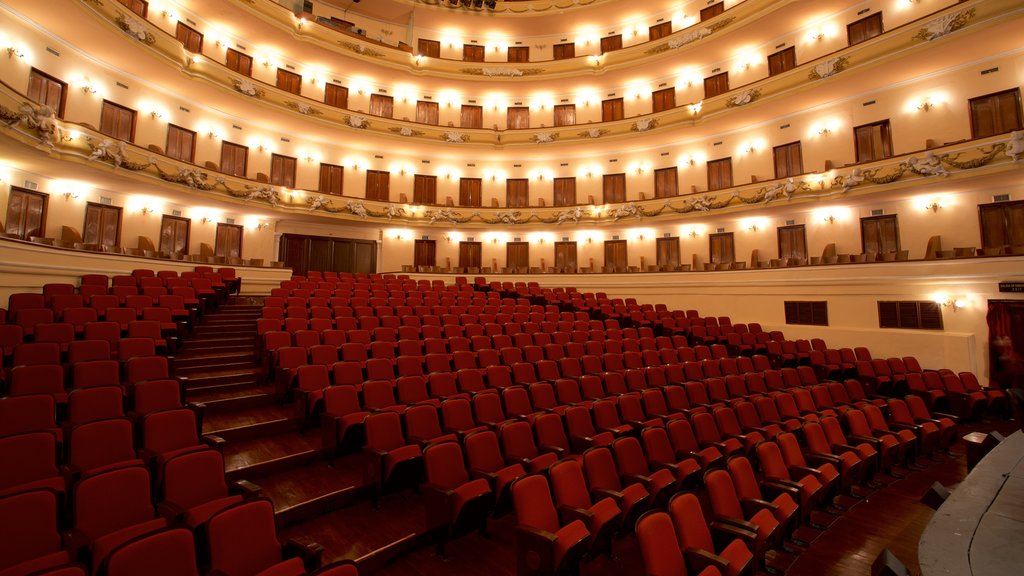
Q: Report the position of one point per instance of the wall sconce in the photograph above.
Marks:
(261, 148)
(262, 226)
(205, 220)
(590, 240)
(447, 238)
(156, 114)
(693, 233)
(88, 88)
(824, 132)
(933, 206)
(819, 36)
(925, 105)
(70, 196)
(13, 51)
(830, 219)
(494, 240)
(695, 107)
(146, 210)
(417, 59)
(751, 149)
(954, 303)
(302, 22)
(752, 228)
(641, 238)
(540, 240)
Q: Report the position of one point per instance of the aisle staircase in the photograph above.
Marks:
(265, 444)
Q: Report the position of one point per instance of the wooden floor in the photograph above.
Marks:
(330, 505)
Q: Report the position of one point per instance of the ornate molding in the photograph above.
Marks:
(690, 37)
(360, 49)
(743, 98)
(303, 108)
(355, 121)
(497, 72)
(593, 133)
(545, 137)
(644, 124)
(249, 88)
(829, 67)
(134, 28)
(944, 25)
(453, 137)
(406, 131)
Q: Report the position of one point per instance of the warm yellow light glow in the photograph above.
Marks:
(449, 98)
(925, 102)
(751, 146)
(933, 203)
(820, 31)
(71, 189)
(590, 236)
(754, 224)
(144, 204)
(361, 85)
(638, 89)
(540, 237)
(692, 230)
(398, 233)
(640, 234)
(453, 236)
(496, 237)
(831, 215)
(205, 215)
(824, 127)
(542, 101)
(589, 171)
(451, 38)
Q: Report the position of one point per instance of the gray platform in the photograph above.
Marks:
(979, 529)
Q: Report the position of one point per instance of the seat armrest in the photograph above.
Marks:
(628, 479)
(171, 511)
(246, 489)
(567, 514)
(953, 417)
(821, 457)
(901, 426)
(556, 450)
(776, 487)
(803, 471)
(726, 532)
(718, 445)
(310, 552)
(535, 536)
(214, 441)
(698, 560)
(845, 448)
(436, 504)
(753, 505)
(858, 438)
(736, 523)
(601, 493)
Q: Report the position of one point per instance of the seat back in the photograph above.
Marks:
(169, 430)
(35, 455)
(165, 553)
(111, 500)
(32, 520)
(242, 538)
(444, 465)
(534, 508)
(193, 478)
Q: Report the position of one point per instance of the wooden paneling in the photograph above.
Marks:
(335, 95)
(565, 192)
(26, 213)
(102, 225)
(995, 113)
(662, 100)
(117, 121)
(140, 7)
(470, 254)
(873, 141)
(518, 117)
(332, 179)
(174, 233)
(1002, 224)
(719, 174)
(303, 253)
(722, 248)
(47, 90)
(234, 159)
(429, 48)
(517, 192)
(424, 189)
(471, 116)
(239, 62)
(612, 109)
(427, 112)
(381, 105)
(289, 81)
(228, 242)
(190, 38)
(788, 160)
(470, 192)
(282, 170)
(378, 185)
(781, 61)
(715, 85)
(614, 188)
(880, 234)
(792, 242)
(181, 143)
(864, 29)
(564, 51)
(666, 182)
(565, 115)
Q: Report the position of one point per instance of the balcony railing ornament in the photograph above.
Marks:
(944, 25)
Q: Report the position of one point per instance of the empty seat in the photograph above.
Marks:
(35, 543)
(30, 463)
(693, 535)
(601, 517)
(193, 488)
(453, 501)
(659, 548)
(394, 462)
(542, 543)
(170, 552)
(94, 447)
(242, 540)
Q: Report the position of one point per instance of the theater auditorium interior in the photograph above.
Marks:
(511, 287)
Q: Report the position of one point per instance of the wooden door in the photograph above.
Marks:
(880, 234)
(610, 43)
(614, 188)
(517, 255)
(995, 113)
(117, 121)
(722, 248)
(470, 254)
(233, 159)
(332, 179)
(564, 51)
(518, 117)
(719, 174)
(666, 182)
(659, 31)
(1002, 224)
(174, 232)
(668, 252)
(788, 160)
(565, 192)
(471, 116)
(782, 61)
(378, 185)
(873, 141)
(518, 53)
(102, 225)
(565, 115)
(470, 192)
(228, 242)
(472, 53)
(282, 170)
(424, 189)
(428, 48)
(335, 95)
(239, 62)
(565, 257)
(381, 105)
(712, 11)
(612, 110)
(26, 213)
(615, 255)
(662, 100)
(190, 38)
(424, 253)
(715, 85)
(517, 192)
(181, 143)
(864, 29)
(427, 112)
(47, 90)
(289, 81)
(792, 242)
